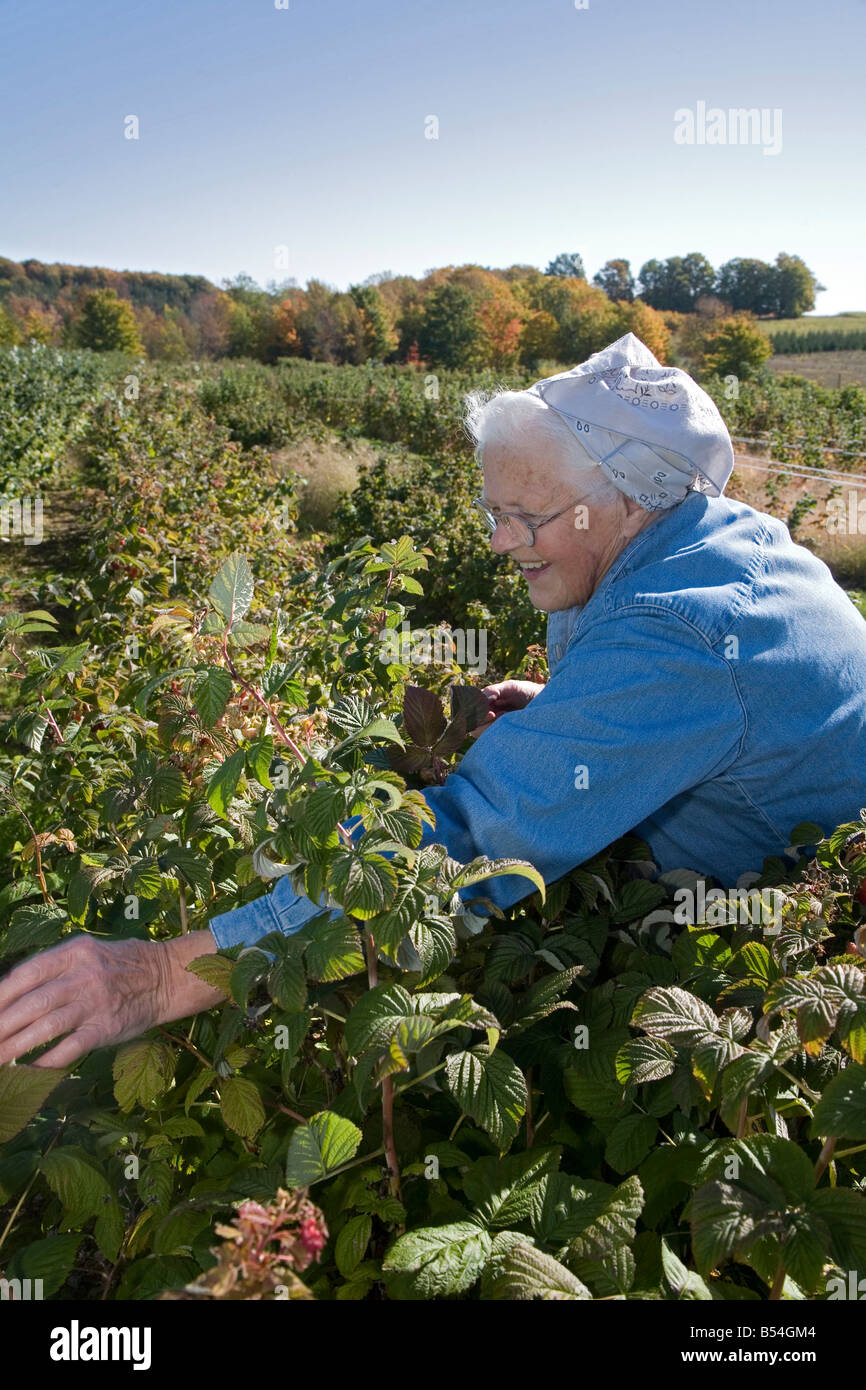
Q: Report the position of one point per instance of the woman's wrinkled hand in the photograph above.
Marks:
(98, 993)
(507, 695)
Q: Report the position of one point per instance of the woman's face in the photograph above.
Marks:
(578, 547)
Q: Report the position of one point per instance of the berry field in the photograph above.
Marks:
(588, 1098)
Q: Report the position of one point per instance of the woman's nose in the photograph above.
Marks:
(503, 539)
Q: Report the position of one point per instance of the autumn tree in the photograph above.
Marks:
(380, 339)
(106, 324)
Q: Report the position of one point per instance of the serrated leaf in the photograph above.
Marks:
(80, 1187)
(215, 970)
(142, 1071)
(490, 1088)
(351, 1244)
(231, 592)
(241, 1106)
(842, 1108)
(501, 1189)
(528, 1273)
(316, 1148)
(211, 690)
(644, 1059)
(684, 1282)
(334, 951)
(223, 784)
(423, 715)
(630, 1141)
(287, 983)
(23, 1090)
(51, 1259)
(442, 1260)
(675, 1015)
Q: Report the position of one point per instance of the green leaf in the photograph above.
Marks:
(80, 1187)
(223, 784)
(527, 1273)
(501, 1189)
(725, 1221)
(630, 1141)
(108, 1229)
(761, 1156)
(675, 1015)
(365, 883)
(316, 1148)
(142, 1071)
(231, 592)
(33, 928)
(544, 998)
(287, 983)
(334, 950)
(51, 1259)
(177, 1230)
(249, 969)
(210, 691)
(23, 1089)
(376, 1017)
(442, 1260)
(842, 1108)
(684, 1282)
(215, 970)
(352, 1242)
(614, 1226)
(644, 1059)
(241, 1106)
(490, 1088)
(844, 1214)
(804, 1247)
(190, 867)
(260, 754)
(383, 728)
(482, 868)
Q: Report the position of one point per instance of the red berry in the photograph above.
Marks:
(311, 1237)
(860, 895)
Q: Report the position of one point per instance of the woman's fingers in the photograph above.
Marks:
(41, 1030)
(83, 1039)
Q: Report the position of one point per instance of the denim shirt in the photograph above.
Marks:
(709, 696)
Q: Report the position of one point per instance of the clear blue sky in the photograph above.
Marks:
(304, 127)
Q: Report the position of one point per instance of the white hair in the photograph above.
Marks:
(523, 419)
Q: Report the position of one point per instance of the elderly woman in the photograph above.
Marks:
(707, 685)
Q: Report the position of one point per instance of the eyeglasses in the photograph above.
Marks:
(522, 531)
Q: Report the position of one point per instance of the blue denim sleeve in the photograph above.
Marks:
(280, 910)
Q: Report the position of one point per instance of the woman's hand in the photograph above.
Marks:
(98, 993)
(507, 695)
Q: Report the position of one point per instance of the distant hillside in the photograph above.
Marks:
(64, 286)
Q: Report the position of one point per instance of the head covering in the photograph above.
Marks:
(652, 429)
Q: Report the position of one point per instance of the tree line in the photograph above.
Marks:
(458, 317)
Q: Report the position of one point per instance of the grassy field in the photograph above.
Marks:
(843, 368)
(849, 321)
